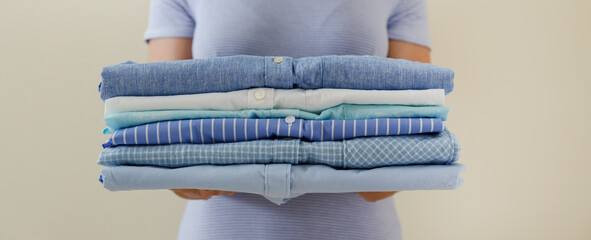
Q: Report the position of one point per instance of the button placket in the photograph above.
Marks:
(278, 180)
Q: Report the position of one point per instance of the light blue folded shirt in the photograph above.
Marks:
(280, 182)
(342, 112)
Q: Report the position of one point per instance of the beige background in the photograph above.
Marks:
(520, 109)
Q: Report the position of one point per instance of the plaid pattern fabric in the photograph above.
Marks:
(418, 149)
(371, 152)
(238, 130)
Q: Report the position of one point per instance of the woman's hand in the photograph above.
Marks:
(198, 194)
(375, 196)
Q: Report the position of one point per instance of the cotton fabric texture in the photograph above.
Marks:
(225, 74)
(225, 130)
(342, 112)
(280, 182)
(269, 98)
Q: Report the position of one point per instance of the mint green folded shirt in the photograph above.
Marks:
(342, 112)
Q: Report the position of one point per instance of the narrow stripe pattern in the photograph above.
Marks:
(439, 148)
(239, 130)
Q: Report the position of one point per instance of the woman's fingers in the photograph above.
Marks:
(375, 196)
(190, 194)
(198, 194)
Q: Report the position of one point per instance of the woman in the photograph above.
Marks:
(185, 29)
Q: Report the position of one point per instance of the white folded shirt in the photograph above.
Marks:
(268, 98)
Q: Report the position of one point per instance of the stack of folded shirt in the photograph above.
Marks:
(278, 126)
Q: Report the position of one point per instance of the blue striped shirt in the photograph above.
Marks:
(238, 130)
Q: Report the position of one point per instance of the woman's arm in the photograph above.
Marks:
(171, 49)
(408, 51)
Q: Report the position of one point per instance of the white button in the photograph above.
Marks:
(278, 59)
(290, 119)
(259, 95)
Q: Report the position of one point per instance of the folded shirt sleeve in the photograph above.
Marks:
(169, 18)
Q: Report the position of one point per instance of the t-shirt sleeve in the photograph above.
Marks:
(169, 18)
(409, 22)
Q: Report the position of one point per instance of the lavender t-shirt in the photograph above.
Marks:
(296, 29)
(290, 28)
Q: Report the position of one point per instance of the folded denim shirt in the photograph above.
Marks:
(280, 182)
(369, 152)
(223, 130)
(224, 74)
(314, 100)
(342, 112)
